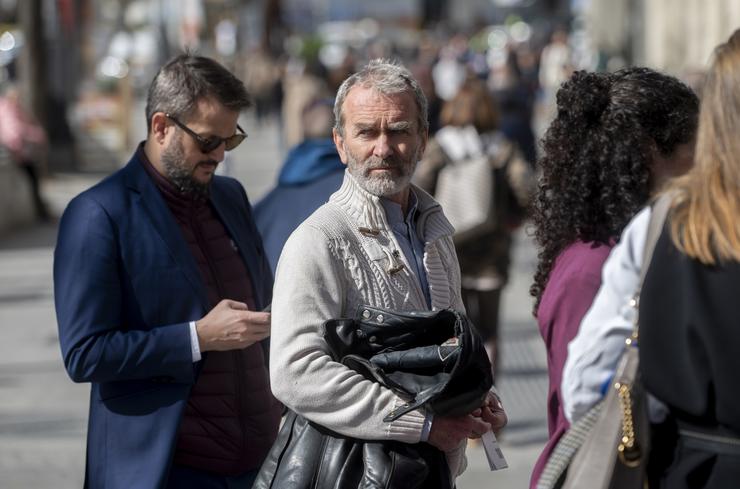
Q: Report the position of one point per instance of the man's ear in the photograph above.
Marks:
(423, 145)
(159, 127)
(339, 143)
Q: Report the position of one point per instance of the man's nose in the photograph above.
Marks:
(219, 153)
(382, 147)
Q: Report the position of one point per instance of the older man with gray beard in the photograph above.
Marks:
(379, 241)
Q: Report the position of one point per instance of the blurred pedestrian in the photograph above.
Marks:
(300, 87)
(311, 173)
(159, 283)
(25, 140)
(262, 79)
(470, 130)
(450, 71)
(515, 101)
(688, 313)
(423, 74)
(556, 66)
(617, 138)
(379, 242)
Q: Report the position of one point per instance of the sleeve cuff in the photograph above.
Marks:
(194, 344)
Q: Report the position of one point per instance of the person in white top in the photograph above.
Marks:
(594, 352)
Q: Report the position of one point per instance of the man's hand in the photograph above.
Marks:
(492, 412)
(232, 326)
(447, 433)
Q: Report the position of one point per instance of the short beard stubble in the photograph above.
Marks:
(177, 172)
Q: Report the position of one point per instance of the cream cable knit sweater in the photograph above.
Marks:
(336, 261)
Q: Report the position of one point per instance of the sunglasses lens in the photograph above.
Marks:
(234, 141)
(210, 144)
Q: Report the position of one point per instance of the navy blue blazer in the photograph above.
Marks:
(126, 286)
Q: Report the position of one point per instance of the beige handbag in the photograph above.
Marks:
(614, 454)
(608, 448)
(465, 192)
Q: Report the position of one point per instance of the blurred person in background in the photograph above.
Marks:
(160, 280)
(470, 128)
(304, 81)
(450, 71)
(617, 138)
(311, 173)
(25, 140)
(687, 308)
(556, 66)
(336, 74)
(262, 78)
(423, 74)
(515, 102)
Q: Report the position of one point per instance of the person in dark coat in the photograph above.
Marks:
(689, 336)
(311, 173)
(159, 281)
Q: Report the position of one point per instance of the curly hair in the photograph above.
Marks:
(597, 155)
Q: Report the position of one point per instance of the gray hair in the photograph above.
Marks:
(386, 77)
(187, 78)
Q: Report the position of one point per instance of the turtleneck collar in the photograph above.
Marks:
(368, 212)
(178, 201)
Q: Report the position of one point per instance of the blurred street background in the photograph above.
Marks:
(81, 69)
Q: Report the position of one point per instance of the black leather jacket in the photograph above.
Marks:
(431, 359)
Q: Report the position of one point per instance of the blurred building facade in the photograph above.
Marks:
(676, 36)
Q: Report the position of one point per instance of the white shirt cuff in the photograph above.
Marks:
(194, 344)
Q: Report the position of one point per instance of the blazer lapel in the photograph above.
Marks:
(156, 208)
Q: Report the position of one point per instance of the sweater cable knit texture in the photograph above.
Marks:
(342, 257)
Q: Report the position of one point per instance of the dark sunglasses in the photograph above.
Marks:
(206, 145)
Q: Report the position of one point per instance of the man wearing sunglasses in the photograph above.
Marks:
(160, 282)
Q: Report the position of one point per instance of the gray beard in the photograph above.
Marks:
(381, 185)
(181, 177)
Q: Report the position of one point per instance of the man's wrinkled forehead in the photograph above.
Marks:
(368, 104)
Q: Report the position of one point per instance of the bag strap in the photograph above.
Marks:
(655, 228)
(658, 216)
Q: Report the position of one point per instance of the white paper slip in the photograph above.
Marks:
(495, 456)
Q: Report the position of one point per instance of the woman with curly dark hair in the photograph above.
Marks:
(616, 139)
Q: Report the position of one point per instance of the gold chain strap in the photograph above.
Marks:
(628, 450)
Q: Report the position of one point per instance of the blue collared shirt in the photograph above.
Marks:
(412, 247)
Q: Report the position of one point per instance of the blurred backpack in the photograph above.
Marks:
(474, 187)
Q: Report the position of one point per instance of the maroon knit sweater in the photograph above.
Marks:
(231, 418)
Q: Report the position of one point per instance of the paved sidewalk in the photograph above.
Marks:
(43, 415)
(522, 384)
